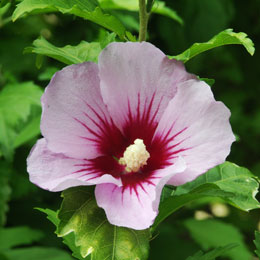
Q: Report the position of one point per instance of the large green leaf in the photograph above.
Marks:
(173, 202)
(80, 214)
(132, 5)
(84, 51)
(38, 253)
(16, 236)
(226, 37)
(69, 239)
(5, 190)
(212, 254)
(87, 9)
(213, 233)
(16, 101)
(234, 184)
(231, 178)
(257, 243)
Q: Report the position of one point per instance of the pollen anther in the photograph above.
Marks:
(135, 156)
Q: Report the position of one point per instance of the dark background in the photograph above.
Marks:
(237, 85)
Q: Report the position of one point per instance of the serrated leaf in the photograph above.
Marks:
(257, 243)
(231, 178)
(84, 51)
(16, 101)
(69, 239)
(87, 9)
(69, 54)
(16, 236)
(226, 37)
(159, 7)
(213, 233)
(212, 254)
(94, 235)
(171, 204)
(5, 190)
(232, 183)
(38, 253)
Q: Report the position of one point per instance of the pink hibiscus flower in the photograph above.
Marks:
(129, 125)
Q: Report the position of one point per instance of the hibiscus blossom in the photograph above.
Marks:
(129, 125)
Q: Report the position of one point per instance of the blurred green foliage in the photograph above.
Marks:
(236, 84)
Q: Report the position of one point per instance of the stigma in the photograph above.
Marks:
(135, 156)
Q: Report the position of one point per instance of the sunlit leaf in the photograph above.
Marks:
(80, 214)
(16, 236)
(257, 243)
(226, 37)
(69, 239)
(16, 101)
(84, 51)
(213, 233)
(212, 254)
(87, 9)
(172, 202)
(232, 183)
(230, 178)
(38, 253)
(159, 7)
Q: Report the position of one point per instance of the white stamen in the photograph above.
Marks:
(135, 156)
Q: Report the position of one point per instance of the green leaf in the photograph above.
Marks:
(87, 9)
(229, 178)
(48, 73)
(211, 255)
(3, 257)
(257, 243)
(5, 190)
(16, 101)
(84, 51)
(132, 5)
(31, 130)
(226, 37)
(213, 233)
(16, 236)
(4, 9)
(232, 183)
(80, 214)
(210, 82)
(69, 239)
(38, 253)
(171, 204)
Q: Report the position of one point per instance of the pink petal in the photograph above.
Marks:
(137, 82)
(75, 120)
(56, 172)
(135, 206)
(196, 127)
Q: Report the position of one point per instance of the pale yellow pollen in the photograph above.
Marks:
(135, 156)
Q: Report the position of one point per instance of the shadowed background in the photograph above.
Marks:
(236, 76)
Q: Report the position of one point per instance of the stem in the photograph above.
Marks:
(143, 20)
